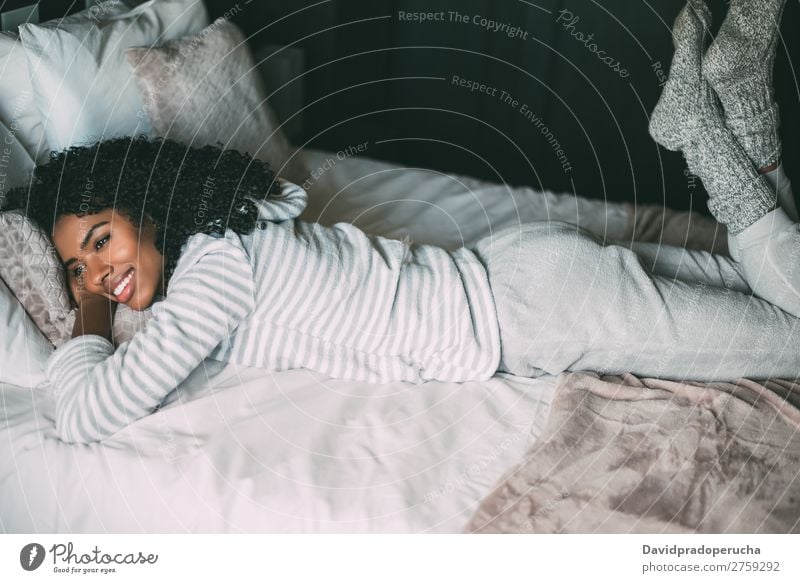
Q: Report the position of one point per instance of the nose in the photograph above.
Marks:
(99, 270)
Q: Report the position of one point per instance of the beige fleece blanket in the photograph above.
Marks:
(622, 454)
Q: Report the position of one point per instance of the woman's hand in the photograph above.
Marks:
(94, 314)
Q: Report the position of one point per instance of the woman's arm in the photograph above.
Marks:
(287, 204)
(100, 391)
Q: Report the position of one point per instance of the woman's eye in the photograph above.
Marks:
(78, 271)
(101, 242)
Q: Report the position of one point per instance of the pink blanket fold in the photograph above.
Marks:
(623, 454)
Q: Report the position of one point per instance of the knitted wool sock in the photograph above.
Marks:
(688, 117)
(738, 195)
(739, 66)
(687, 99)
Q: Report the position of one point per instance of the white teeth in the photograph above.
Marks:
(123, 284)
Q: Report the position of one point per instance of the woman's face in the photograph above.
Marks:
(106, 255)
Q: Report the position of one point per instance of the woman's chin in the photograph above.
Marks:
(139, 303)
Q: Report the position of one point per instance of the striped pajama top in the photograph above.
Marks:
(290, 294)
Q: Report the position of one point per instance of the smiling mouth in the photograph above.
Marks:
(124, 289)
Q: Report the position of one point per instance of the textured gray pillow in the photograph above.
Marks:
(205, 89)
(31, 269)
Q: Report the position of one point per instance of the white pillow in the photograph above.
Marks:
(18, 109)
(83, 85)
(23, 349)
(15, 163)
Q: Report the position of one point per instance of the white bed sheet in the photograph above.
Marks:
(246, 450)
(258, 452)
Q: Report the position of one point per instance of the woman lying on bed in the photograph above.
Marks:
(247, 283)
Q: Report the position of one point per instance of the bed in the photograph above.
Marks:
(244, 450)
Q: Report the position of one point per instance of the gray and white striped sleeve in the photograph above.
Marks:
(99, 391)
(287, 204)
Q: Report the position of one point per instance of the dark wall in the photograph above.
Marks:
(374, 77)
(48, 9)
(570, 121)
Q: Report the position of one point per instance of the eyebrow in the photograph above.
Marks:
(86, 240)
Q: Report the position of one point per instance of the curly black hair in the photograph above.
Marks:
(184, 190)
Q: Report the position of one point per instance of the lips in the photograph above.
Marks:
(121, 288)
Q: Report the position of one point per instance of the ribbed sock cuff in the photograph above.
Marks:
(739, 214)
(759, 136)
(739, 196)
(746, 98)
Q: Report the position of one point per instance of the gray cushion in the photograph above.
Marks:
(206, 89)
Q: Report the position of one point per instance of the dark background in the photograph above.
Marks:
(363, 83)
(356, 60)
